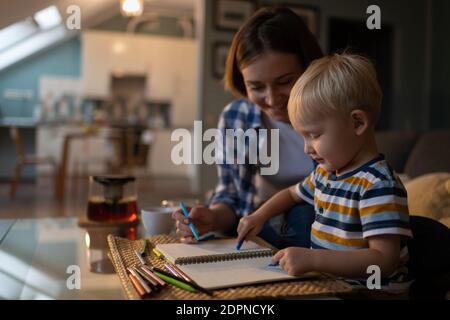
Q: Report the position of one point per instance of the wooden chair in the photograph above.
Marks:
(93, 155)
(132, 153)
(25, 160)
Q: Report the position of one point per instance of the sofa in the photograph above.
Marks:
(422, 161)
(414, 153)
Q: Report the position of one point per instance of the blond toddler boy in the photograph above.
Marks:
(360, 204)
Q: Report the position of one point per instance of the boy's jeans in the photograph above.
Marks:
(291, 229)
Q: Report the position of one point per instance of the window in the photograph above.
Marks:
(17, 32)
(48, 18)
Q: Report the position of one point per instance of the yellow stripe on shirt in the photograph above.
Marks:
(309, 183)
(359, 243)
(335, 207)
(359, 182)
(324, 173)
(383, 208)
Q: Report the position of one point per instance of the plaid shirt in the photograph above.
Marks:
(236, 186)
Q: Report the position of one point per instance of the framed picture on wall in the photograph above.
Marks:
(229, 15)
(220, 52)
(310, 16)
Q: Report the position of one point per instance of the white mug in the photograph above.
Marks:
(158, 220)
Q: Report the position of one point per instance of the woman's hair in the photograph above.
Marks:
(335, 85)
(271, 28)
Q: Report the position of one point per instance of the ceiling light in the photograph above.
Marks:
(48, 18)
(131, 8)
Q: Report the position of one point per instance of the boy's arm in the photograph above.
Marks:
(383, 251)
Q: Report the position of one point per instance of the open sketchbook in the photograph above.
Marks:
(217, 264)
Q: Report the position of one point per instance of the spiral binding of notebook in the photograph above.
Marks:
(224, 257)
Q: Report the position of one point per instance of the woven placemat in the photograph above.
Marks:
(122, 256)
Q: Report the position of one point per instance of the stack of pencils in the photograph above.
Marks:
(149, 280)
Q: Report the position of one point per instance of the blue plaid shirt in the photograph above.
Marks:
(236, 185)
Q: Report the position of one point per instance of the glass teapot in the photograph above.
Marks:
(112, 198)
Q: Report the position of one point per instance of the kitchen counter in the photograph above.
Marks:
(17, 122)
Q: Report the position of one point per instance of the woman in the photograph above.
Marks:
(267, 55)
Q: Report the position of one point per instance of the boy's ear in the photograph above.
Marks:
(360, 121)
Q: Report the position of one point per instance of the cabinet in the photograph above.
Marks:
(169, 64)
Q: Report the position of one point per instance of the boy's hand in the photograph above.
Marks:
(249, 226)
(295, 260)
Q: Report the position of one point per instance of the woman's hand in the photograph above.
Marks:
(250, 226)
(201, 217)
(295, 260)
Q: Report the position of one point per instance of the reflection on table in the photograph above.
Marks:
(36, 254)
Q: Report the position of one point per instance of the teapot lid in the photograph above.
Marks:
(113, 179)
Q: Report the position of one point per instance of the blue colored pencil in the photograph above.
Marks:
(191, 225)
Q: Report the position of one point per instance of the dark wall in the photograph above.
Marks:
(440, 71)
(410, 71)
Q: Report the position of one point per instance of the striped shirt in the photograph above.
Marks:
(368, 201)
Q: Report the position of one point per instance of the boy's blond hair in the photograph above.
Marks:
(333, 85)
